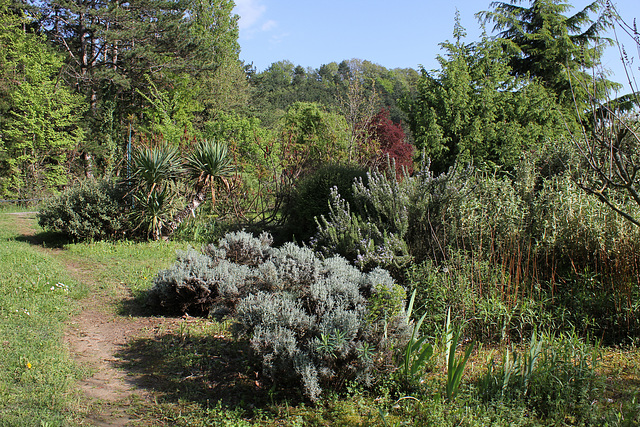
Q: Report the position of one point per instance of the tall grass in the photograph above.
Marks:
(36, 297)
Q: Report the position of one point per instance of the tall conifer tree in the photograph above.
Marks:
(547, 44)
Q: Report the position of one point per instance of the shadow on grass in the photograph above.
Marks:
(179, 368)
(137, 305)
(45, 239)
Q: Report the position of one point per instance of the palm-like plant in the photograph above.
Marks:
(155, 172)
(156, 167)
(208, 164)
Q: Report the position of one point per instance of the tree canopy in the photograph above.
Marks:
(39, 117)
(475, 110)
(544, 43)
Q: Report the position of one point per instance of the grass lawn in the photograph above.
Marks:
(37, 296)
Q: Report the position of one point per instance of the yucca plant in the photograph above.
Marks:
(155, 173)
(155, 167)
(150, 211)
(208, 165)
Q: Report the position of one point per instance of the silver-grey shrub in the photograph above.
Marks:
(213, 281)
(311, 321)
(316, 329)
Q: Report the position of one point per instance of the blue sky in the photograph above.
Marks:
(394, 34)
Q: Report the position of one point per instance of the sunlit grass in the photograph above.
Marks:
(131, 263)
(37, 296)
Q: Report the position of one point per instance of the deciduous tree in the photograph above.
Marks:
(40, 123)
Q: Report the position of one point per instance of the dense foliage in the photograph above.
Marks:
(321, 322)
(505, 252)
(39, 118)
(310, 197)
(89, 210)
(474, 110)
(518, 221)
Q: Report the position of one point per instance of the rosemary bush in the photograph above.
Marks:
(392, 221)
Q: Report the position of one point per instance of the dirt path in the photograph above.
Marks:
(95, 336)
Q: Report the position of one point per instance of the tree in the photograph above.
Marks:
(358, 107)
(40, 124)
(309, 137)
(392, 146)
(116, 50)
(474, 110)
(609, 139)
(546, 44)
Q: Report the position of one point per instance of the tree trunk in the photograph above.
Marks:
(88, 164)
(190, 209)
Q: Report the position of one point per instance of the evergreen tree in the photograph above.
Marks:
(546, 44)
(474, 110)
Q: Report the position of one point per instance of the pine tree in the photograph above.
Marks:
(176, 61)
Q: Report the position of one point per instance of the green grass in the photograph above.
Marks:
(124, 266)
(36, 297)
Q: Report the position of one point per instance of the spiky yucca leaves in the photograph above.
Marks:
(155, 172)
(155, 167)
(150, 211)
(207, 165)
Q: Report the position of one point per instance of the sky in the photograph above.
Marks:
(394, 34)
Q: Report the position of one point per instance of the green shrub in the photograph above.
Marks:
(89, 210)
(310, 199)
(321, 322)
(478, 293)
(362, 242)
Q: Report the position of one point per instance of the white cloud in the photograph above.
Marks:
(269, 25)
(250, 12)
(278, 38)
